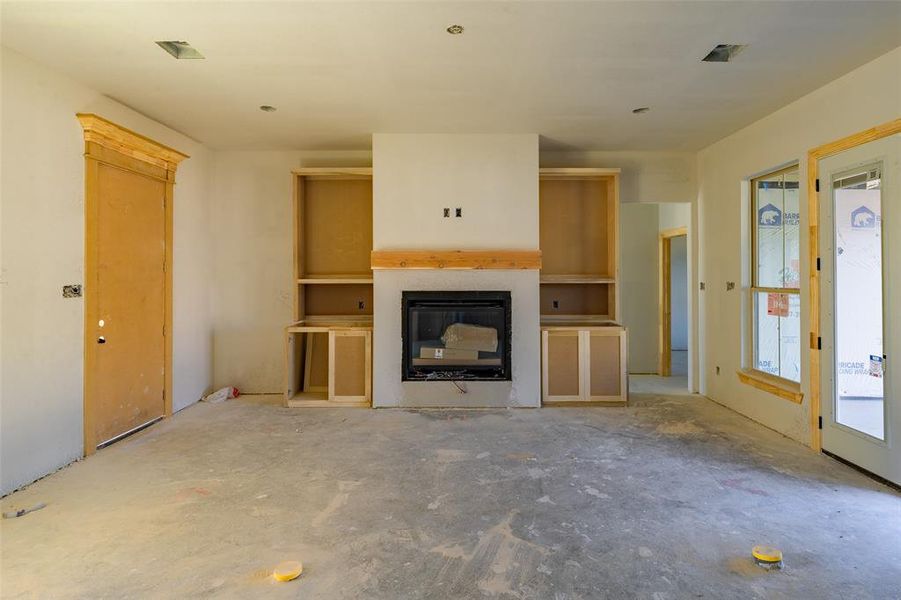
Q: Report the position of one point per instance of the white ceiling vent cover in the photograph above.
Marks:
(180, 50)
(723, 53)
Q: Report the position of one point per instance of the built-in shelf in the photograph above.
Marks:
(335, 279)
(333, 322)
(319, 400)
(328, 347)
(548, 320)
(547, 278)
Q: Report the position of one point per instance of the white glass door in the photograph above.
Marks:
(860, 208)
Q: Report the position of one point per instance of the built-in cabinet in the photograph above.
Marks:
(328, 346)
(583, 345)
(583, 364)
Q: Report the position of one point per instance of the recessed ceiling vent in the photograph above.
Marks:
(180, 50)
(723, 53)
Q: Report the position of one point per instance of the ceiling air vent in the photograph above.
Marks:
(180, 50)
(723, 53)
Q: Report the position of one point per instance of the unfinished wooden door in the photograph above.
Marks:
(604, 369)
(350, 360)
(562, 363)
(129, 289)
(128, 280)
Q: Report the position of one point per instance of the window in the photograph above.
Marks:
(775, 275)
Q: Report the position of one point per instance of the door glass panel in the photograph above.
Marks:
(858, 301)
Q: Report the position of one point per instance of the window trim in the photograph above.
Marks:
(775, 384)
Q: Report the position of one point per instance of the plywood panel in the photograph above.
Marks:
(574, 220)
(341, 299)
(604, 365)
(563, 365)
(350, 365)
(575, 299)
(316, 363)
(337, 226)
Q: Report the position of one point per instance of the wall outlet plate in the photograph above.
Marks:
(458, 212)
(446, 213)
(72, 290)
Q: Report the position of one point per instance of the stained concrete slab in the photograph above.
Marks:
(660, 500)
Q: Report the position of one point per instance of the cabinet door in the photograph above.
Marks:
(604, 366)
(563, 379)
(350, 366)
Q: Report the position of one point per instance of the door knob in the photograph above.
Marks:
(101, 340)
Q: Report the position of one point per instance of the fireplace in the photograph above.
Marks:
(450, 336)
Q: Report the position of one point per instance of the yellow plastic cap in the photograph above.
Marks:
(288, 570)
(767, 554)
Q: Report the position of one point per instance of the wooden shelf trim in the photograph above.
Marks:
(335, 280)
(456, 259)
(576, 279)
(333, 171)
(576, 172)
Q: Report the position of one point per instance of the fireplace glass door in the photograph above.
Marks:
(456, 336)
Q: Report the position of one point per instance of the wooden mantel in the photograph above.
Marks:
(456, 259)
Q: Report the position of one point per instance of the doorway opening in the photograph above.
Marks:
(673, 338)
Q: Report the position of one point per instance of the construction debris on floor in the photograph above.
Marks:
(662, 500)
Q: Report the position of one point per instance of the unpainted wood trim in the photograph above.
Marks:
(90, 302)
(575, 172)
(127, 146)
(674, 232)
(456, 259)
(125, 141)
(624, 363)
(813, 209)
(774, 385)
(333, 171)
(617, 259)
(167, 318)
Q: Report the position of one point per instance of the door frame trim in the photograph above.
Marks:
(110, 144)
(664, 299)
(813, 210)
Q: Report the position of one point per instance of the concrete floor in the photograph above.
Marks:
(660, 500)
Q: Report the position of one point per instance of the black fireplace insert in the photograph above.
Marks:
(450, 336)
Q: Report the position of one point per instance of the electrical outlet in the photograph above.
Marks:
(556, 304)
(717, 370)
(702, 286)
(459, 212)
(361, 305)
(72, 290)
(730, 285)
(446, 213)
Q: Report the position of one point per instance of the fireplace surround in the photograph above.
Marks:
(456, 335)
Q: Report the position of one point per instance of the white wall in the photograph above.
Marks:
(645, 176)
(865, 97)
(43, 249)
(639, 273)
(252, 265)
(679, 293)
(494, 178)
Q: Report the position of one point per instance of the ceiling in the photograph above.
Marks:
(338, 71)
